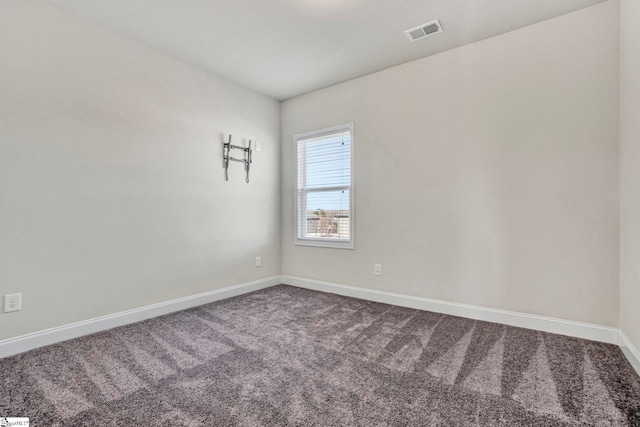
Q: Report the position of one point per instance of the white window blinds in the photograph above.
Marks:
(324, 187)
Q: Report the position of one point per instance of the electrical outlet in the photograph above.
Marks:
(12, 302)
(258, 261)
(258, 146)
(377, 269)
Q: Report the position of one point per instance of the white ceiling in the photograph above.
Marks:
(284, 48)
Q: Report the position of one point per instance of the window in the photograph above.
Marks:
(324, 188)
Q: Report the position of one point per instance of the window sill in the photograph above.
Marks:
(324, 244)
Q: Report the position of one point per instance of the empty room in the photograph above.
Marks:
(320, 213)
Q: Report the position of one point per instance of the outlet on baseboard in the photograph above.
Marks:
(12, 302)
(377, 269)
(258, 261)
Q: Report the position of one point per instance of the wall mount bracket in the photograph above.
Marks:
(226, 149)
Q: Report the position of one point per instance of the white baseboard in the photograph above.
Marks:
(529, 321)
(588, 331)
(629, 350)
(34, 340)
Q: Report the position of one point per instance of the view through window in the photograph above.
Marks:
(324, 187)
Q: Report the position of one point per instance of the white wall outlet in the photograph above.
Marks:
(258, 145)
(12, 302)
(258, 261)
(377, 269)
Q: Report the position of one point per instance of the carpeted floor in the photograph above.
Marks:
(285, 356)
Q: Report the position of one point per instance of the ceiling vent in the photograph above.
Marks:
(423, 31)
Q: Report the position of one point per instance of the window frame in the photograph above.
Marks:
(300, 211)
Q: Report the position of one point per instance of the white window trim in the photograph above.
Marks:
(314, 241)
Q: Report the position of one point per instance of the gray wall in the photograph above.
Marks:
(111, 188)
(485, 175)
(630, 170)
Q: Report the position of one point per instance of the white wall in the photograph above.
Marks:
(111, 188)
(485, 175)
(630, 170)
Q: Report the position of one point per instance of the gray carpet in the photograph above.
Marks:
(285, 356)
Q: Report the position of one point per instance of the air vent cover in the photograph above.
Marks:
(424, 30)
